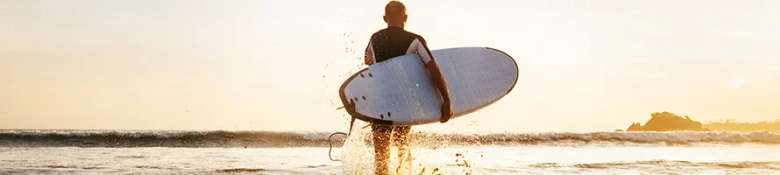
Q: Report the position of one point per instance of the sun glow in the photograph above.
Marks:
(738, 82)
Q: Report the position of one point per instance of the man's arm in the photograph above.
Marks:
(420, 46)
(369, 59)
(435, 71)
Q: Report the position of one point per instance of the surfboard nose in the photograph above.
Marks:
(502, 52)
(517, 75)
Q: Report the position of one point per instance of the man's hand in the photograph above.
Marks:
(446, 111)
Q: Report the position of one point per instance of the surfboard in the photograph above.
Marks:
(401, 91)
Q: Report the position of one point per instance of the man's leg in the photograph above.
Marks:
(381, 148)
(402, 140)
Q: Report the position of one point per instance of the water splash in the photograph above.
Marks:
(358, 152)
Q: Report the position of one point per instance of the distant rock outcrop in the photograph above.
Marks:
(666, 121)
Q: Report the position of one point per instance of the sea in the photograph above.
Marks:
(283, 153)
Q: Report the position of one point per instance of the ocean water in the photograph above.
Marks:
(255, 152)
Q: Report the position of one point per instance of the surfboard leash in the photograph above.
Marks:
(330, 141)
(350, 111)
(330, 138)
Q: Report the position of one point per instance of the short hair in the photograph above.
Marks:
(394, 10)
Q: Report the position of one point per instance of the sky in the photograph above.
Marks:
(277, 64)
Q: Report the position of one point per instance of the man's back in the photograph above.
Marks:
(392, 42)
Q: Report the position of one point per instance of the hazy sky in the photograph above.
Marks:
(592, 65)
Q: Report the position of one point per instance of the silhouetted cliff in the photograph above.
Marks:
(666, 121)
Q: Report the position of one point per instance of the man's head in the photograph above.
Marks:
(395, 14)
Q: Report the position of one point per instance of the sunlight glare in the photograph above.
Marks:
(738, 82)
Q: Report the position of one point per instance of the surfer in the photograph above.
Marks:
(391, 42)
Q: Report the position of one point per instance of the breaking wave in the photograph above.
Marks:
(81, 138)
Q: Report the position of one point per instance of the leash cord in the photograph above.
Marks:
(330, 141)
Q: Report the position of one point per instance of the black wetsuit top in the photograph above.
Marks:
(395, 41)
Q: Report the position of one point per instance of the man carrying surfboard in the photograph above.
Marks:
(387, 43)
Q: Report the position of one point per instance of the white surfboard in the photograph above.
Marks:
(400, 91)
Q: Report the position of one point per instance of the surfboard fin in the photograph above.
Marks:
(351, 111)
(351, 123)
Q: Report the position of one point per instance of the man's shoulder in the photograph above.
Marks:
(403, 34)
(417, 36)
(379, 32)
